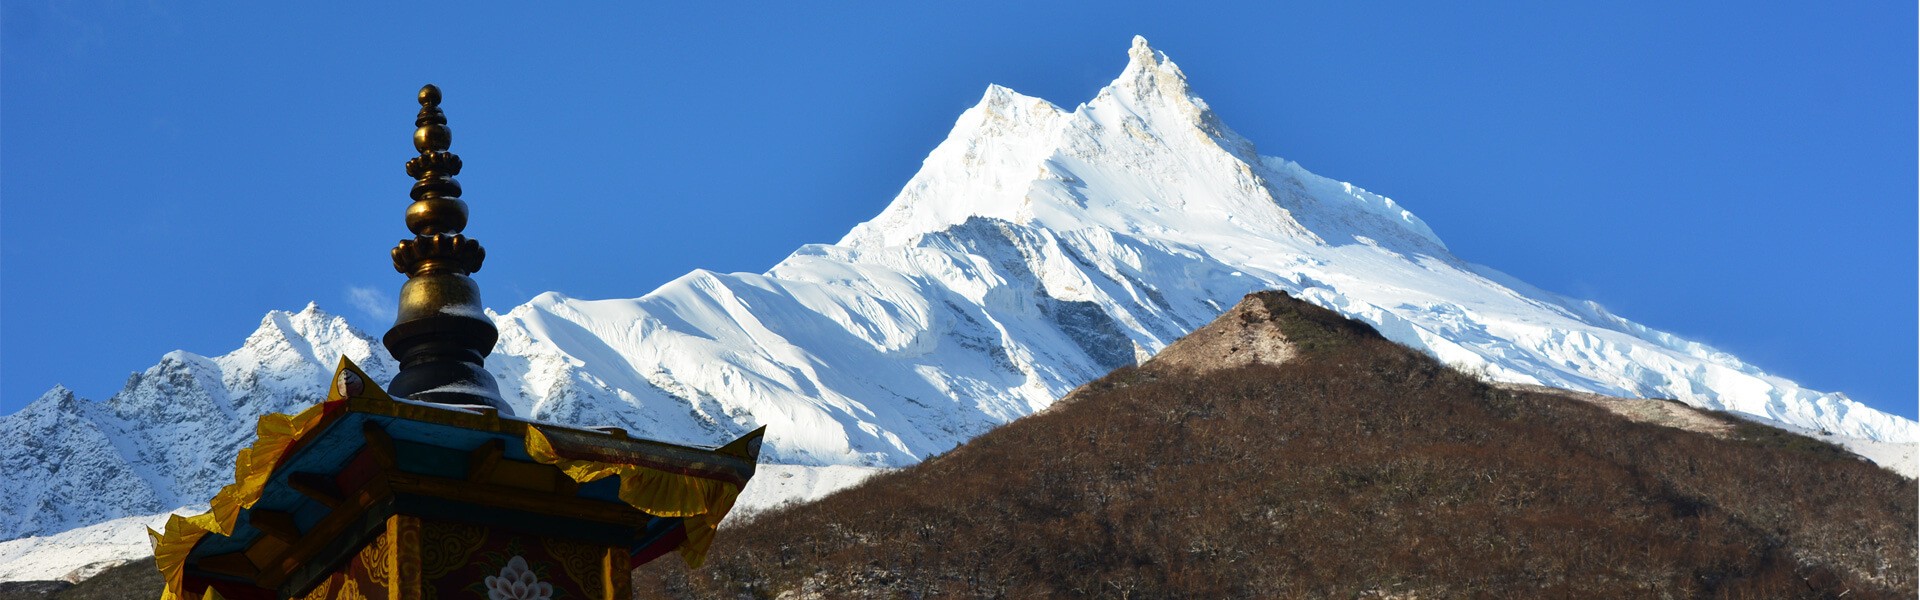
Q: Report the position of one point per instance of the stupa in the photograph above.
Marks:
(437, 490)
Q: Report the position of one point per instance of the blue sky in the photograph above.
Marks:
(171, 171)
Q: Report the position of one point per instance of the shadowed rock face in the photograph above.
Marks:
(1284, 451)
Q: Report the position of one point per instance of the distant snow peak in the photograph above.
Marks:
(168, 437)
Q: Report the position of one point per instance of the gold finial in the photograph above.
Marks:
(437, 207)
(442, 334)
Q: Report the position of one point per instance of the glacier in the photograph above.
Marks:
(1036, 249)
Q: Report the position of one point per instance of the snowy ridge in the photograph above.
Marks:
(1036, 249)
(168, 438)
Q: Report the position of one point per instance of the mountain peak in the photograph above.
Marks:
(54, 401)
(58, 394)
(1267, 327)
(1022, 159)
(311, 337)
(289, 322)
(1001, 103)
(1151, 74)
(998, 94)
(1143, 54)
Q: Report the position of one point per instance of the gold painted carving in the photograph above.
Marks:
(446, 547)
(405, 557)
(378, 560)
(581, 561)
(350, 590)
(319, 592)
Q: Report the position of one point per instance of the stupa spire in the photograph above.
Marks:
(442, 335)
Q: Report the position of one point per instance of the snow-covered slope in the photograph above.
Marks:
(779, 485)
(82, 552)
(1037, 248)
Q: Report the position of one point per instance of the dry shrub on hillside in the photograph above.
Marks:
(1359, 469)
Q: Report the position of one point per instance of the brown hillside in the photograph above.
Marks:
(1355, 468)
(134, 580)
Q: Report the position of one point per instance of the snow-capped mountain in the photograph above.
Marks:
(1037, 248)
(168, 438)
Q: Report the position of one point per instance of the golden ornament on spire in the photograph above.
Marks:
(442, 335)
